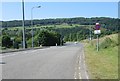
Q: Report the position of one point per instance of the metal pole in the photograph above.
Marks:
(97, 43)
(32, 27)
(23, 24)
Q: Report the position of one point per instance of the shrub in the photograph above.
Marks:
(6, 41)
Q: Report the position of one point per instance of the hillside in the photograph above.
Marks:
(70, 29)
(103, 64)
(106, 22)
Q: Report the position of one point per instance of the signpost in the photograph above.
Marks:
(97, 31)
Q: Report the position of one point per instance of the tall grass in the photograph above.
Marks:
(103, 64)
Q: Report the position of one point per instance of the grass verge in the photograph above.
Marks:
(102, 64)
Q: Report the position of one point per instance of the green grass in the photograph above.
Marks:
(53, 26)
(102, 64)
(58, 26)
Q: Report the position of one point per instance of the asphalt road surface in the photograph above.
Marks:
(57, 62)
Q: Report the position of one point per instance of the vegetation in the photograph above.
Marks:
(108, 23)
(49, 32)
(47, 38)
(6, 42)
(64, 29)
(103, 64)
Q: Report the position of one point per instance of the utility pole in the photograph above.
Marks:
(23, 24)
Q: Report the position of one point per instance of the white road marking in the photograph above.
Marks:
(75, 75)
(82, 61)
(75, 78)
(34, 51)
(80, 76)
(85, 66)
(17, 53)
(85, 71)
(8, 55)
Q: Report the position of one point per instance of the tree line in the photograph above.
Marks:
(50, 36)
(106, 22)
(43, 38)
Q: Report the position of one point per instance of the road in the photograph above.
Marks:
(57, 62)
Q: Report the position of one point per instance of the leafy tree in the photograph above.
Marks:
(17, 41)
(48, 38)
(6, 41)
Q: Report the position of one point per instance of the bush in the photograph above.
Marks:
(6, 42)
(16, 45)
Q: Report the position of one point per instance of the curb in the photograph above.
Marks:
(21, 50)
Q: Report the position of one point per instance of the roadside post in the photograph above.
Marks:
(56, 44)
(13, 41)
(90, 34)
(97, 31)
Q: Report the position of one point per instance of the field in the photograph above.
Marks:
(51, 26)
(102, 64)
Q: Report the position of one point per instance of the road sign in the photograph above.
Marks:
(97, 31)
(97, 26)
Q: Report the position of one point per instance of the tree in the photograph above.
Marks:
(6, 42)
(48, 38)
(17, 41)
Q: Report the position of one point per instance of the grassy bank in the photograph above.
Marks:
(103, 64)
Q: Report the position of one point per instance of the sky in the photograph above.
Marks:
(61, 0)
(13, 10)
